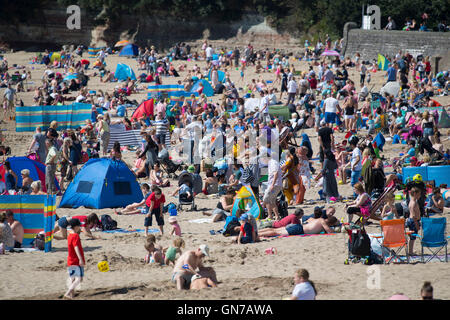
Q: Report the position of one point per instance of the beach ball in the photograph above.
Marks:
(103, 266)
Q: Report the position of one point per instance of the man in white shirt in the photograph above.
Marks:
(292, 90)
(355, 162)
(264, 105)
(101, 55)
(331, 107)
(274, 186)
(209, 53)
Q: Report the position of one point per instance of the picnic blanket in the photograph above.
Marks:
(69, 116)
(123, 136)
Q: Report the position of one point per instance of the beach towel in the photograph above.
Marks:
(131, 231)
(302, 235)
(202, 220)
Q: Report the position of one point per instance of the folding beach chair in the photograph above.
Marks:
(394, 238)
(433, 237)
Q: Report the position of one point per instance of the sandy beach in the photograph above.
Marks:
(243, 271)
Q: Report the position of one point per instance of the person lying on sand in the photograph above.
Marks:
(314, 227)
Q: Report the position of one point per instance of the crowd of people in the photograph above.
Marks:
(323, 97)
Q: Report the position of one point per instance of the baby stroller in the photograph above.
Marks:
(192, 182)
(167, 164)
(359, 248)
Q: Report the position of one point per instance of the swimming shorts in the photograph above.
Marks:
(185, 275)
(75, 271)
(294, 229)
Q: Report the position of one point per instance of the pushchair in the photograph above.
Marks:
(194, 182)
(359, 248)
(167, 164)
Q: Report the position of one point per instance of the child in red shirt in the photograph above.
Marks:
(75, 259)
(155, 203)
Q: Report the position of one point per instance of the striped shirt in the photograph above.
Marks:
(161, 126)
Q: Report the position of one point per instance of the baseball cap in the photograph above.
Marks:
(191, 169)
(204, 249)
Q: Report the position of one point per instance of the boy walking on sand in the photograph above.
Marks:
(75, 259)
(413, 222)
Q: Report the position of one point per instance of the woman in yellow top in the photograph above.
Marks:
(290, 173)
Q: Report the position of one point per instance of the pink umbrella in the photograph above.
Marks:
(330, 53)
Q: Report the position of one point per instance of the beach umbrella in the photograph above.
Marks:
(122, 43)
(70, 77)
(329, 53)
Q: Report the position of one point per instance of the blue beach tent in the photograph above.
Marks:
(124, 71)
(130, 50)
(102, 183)
(207, 88)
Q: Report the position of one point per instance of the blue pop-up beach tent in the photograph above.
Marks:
(130, 50)
(207, 88)
(102, 183)
(123, 72)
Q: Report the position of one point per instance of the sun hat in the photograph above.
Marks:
(172, 219)
(204, 249)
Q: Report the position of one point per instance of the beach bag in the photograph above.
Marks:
(39, 241)
(108, 223)
(360, 243)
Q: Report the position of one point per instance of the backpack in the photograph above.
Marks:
(39, 241)
(107, 222)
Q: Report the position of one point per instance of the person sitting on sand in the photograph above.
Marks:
(211, 183)
(246, 231)
(138, 207)
(315, 227)
(16, 228)
(224, 206)
(36, 187)
(155, 252)
(171, 252)
(187, 265)
(156, 176)
(304, 288)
